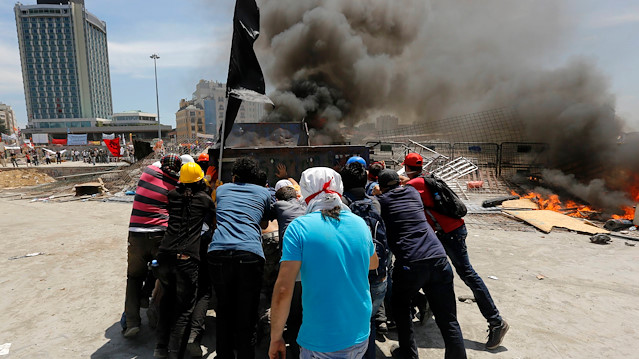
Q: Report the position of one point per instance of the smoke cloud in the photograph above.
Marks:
(595, 192)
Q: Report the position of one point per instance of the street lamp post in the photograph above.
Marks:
(157, 98)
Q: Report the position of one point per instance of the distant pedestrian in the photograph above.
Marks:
(14, 159)
(47, 157)
(58, 157)
(28, 157)
(36, 162)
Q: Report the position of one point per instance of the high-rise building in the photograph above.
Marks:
(8, 119)
(189, 120)
(65, 62)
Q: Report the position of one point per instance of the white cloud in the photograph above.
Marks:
(616, 20)
(10, 69)
(133, 57)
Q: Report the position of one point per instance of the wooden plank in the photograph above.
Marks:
(545, 220)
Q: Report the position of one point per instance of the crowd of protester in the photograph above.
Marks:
(43, 156)
(337, 257)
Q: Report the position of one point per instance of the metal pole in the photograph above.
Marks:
(219, 165)
(157, 98)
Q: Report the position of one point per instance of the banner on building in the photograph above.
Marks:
(77, 140)
(113, 146)
(95, 143)
(40, 138)
(55, 141)
(8, 138)
(108, 136)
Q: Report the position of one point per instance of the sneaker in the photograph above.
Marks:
(382, 328)
(496, 334)
(131, 332)
(161, 352)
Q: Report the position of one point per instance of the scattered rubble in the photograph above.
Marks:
(600, 239)
(23, 177)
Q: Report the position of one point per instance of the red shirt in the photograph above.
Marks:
(447, 224)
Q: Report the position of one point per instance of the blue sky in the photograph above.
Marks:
(192, 39)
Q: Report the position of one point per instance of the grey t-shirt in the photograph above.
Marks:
(286, 212)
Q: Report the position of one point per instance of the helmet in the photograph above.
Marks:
(191, 172)
(187, 158)
(203, 157)
(356, 159)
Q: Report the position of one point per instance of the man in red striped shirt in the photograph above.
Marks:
(149, 221)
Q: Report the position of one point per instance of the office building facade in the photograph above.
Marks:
(65, 62)
(8, 119)
(206, 111)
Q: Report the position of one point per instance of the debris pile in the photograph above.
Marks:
(23, 178)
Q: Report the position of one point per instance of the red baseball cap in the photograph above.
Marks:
(413, 159)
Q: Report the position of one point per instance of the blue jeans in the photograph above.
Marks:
(455, 244)
(435, 277)
(378, 292)
(354, 352)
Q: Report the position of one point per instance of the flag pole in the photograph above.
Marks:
(219, 164)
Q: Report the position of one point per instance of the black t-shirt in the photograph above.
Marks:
(409, 235)
(185, 223)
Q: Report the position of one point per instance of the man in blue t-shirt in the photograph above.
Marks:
(236, 259)
(420, 263)
(333, 251)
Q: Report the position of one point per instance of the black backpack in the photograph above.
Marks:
(364, 208)
(446, 201)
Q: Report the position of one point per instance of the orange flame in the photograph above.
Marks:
(553, 203)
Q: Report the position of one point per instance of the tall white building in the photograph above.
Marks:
(209, 94)
(65, 62)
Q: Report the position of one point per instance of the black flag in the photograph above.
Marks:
(245, 80)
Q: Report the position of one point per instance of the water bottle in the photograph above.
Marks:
(153, 264)
(437, 196)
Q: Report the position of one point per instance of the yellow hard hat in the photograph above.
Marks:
(191, 172)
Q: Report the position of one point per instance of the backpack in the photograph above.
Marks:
(364, 208)
(446, 201)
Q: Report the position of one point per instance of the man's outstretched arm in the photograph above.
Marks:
(281, 305)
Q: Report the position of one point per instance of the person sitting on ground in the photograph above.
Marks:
(149, 221)
(420, 264)
(179, 257)
(333, 250)
(236, 258)
(452, 233)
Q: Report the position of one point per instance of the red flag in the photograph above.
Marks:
(113, 146)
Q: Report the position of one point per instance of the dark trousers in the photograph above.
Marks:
(237, 279)
(142, 248)
(455, 244)
(179, 282)
(294, 321)
(435, 277)
(201, 303)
